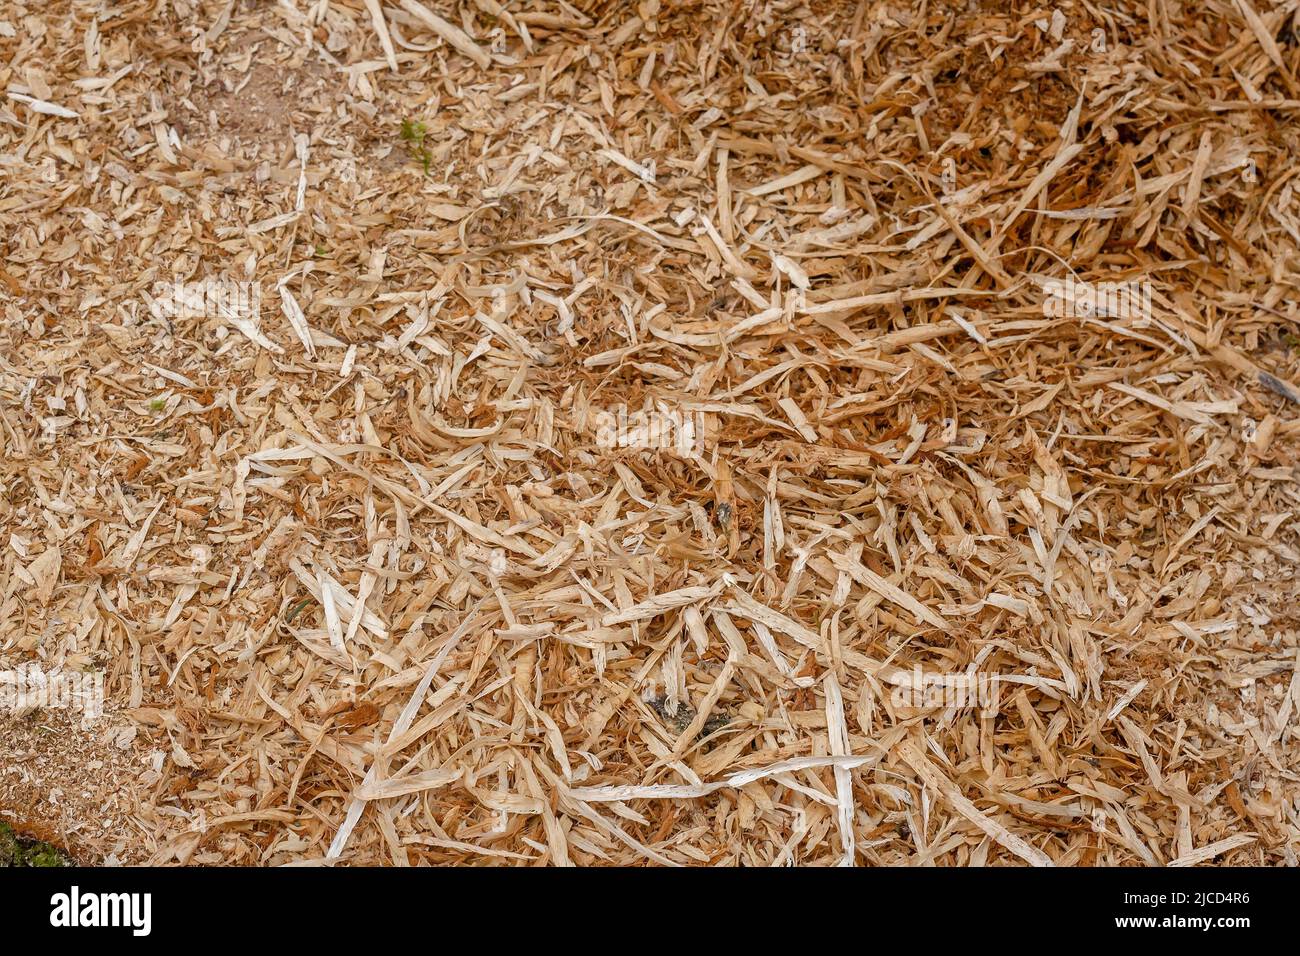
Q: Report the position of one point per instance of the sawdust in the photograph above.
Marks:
(608, 472)
(78, 787)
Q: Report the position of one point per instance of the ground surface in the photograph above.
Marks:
(378, 573)
(16, 850)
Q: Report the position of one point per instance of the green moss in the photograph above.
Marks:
(18, 851)
(413, 133)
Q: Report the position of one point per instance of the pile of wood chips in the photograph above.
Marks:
(642, 411)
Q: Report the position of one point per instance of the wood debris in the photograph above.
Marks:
(717, 433)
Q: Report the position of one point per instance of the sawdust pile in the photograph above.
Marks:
(629, 433)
